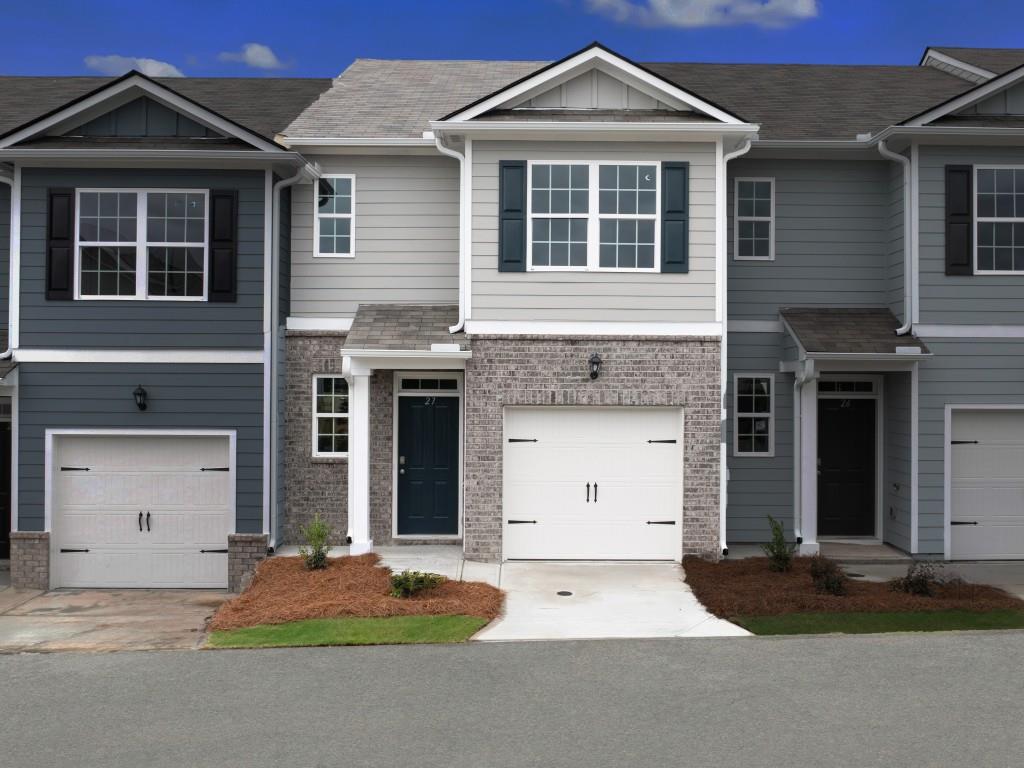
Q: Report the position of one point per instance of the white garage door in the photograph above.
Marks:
(593, 483)
(139, 511)
(987, 485)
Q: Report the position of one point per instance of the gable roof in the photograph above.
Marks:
(971, 96)
(263, 106)
(998, 61)
(397, 99)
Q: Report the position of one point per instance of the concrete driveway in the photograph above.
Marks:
(562, 601)
(104, 619)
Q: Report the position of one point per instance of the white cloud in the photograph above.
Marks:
(254, 55)
(706, 13)
(118, 65)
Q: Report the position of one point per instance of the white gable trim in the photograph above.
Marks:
(610, 64)
(965, 100)
(945, 58)
(120, 88)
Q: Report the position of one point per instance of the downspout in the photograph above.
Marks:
(908, 278)
(12, 283)
(723, 237)
(463, 221)
(306, 172)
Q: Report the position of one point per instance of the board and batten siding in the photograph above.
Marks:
(832, 233)
(99, 396)
(406, 237)
(896, 452)
(760, 485)
(593, 296)
(960, 299)
(146, 324)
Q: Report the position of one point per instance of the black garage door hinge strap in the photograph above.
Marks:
(963, 442)
(661, 441)
(73, 550)
(963, 522)
(213, 551)
(661, 522)
(522, 439)
(74, 469)
(522, 522)
(215, 469)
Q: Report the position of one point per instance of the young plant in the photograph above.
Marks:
(779, 551)
(408, 583)
(317, 534)
(827, 576)
(922, 579)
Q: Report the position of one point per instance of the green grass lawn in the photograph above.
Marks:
(865, 623)
(395, 630)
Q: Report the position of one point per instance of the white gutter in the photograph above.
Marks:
(276, 156)
(908, 278)
(311, 173)
(723, 267)
(464, 182)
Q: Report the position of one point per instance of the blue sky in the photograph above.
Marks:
(321, 37)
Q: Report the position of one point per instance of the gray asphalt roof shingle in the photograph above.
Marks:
(264, 105)
(848, 330)
(403, 326)
(996, 60)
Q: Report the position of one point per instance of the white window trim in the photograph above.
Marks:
(142, 244)
(350, 216)
(770, 453)
(990, 220)
(317, 453)
(737, 219)
(593, 216)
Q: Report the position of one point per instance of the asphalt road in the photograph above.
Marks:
(897, 700)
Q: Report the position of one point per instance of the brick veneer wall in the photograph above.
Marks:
(636, 371)
(30, 560)
(245, 551)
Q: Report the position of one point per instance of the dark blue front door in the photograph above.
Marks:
(428, 465)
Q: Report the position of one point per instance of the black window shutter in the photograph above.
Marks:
(675, 217)
(959, 220)
(60, 245)
(512, 216)
(224, 245)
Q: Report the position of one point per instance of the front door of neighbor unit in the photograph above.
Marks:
(593, 483)
(141, 511)
(987, 485)
(846, 467)
(428, 465)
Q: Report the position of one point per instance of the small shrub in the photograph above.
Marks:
(408, 583)
(316, 534)
(827, 576)
(922, 579)
(779, 551)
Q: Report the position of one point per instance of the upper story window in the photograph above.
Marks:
(334, 230)
(999, 216)
(755, 220)
(142, 244)
(593, 216)
(330, 416)
(753, 415)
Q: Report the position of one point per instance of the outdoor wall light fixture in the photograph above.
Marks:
(140, 398)
(595, 365)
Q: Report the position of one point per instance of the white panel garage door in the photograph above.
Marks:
(987, 485)
(632, 460)
(138, 511)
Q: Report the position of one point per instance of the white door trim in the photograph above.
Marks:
(397, 392)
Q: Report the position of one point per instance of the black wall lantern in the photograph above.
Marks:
(595, 365)
(140, 398)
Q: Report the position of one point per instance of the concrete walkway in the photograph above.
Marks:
(1007, 575)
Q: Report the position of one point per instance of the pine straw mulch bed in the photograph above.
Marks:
(282, 590)
(734, 588)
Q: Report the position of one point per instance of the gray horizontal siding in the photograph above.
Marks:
(91, 324)
(963, 371)
(760, 486)
(966, 299)
(895, 265)
(896, 495)
(180, 397)
(604, 296)
(406, 244)
(832, 238)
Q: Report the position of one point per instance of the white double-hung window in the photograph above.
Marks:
(334, 216)
(999, 218)
(133, 244)
(593, 216)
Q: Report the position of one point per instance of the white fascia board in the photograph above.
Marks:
(967, 99)
(129, 156)
(177, 356)
(880, 356)
(318, 323)
(612, 65)
(369, 354)
(157, 92)
(674, 131)
(570, 328)
(952, 61)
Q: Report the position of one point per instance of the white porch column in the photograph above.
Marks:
(809, 466)
(359, 460)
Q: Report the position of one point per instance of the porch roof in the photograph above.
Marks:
(407, 327)
(841, 331)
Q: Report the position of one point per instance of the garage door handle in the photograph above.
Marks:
(140, 522)
(588, 493)
(661, 522)
(522, 522)
(74, 550)
(963, 522)
(147, 522)
(595, 493)
(213, 551)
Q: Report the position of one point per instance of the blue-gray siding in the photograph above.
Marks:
(895, 265)
(896, 490)
(91, 324)
(5, 255)
(64, 395)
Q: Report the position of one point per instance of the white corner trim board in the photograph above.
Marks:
(318, 323)
(182, 356)
(571, 328)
